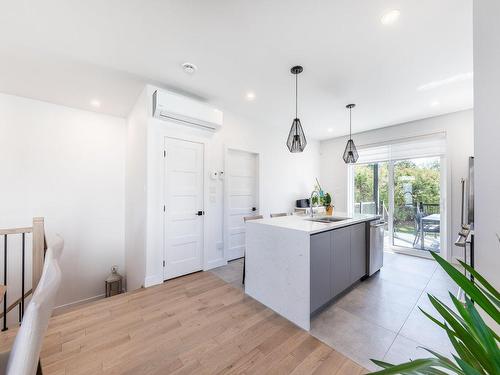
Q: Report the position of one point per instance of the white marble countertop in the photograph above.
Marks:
(304, 224)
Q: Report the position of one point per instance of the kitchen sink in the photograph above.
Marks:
(327, 219)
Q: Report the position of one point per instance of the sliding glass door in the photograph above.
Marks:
(407, 194)
(417, 210)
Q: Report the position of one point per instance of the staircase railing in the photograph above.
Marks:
(39, 246)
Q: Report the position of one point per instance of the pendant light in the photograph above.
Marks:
(350, 152)
(296, 141)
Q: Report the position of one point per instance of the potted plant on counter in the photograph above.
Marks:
(325, 200)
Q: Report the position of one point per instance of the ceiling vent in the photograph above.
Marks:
(172, 107)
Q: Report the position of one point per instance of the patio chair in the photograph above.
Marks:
(421, 227)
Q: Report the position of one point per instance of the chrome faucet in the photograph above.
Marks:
(315, 192)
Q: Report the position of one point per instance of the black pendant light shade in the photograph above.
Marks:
(350, 152)
(296, 141)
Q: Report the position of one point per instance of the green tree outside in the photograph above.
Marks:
(415, 181)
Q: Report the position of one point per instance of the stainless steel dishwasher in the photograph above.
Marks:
(376, 253)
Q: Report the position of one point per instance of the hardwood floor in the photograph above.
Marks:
(194, 324)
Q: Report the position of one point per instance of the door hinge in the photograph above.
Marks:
(164, 153)
(163, 208)
(163, 263)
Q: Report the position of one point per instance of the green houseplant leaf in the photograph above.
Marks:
(494, 293)
(469, 288)
(475, 343)
(412, 367)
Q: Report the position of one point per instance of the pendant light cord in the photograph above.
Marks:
(350, 123)
(296, 93)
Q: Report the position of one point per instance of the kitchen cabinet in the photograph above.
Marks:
(340, 260)
(320, 269)
(358, 252)
(337, 260)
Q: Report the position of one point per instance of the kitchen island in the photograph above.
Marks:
(296, 266)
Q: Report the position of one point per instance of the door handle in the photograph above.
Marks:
(200, 213)
(254, 209)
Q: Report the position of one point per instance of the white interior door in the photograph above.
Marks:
(183, 241)
(242, 171)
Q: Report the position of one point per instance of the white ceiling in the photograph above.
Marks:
(72, 51)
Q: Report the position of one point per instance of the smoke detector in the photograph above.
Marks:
(189, 68)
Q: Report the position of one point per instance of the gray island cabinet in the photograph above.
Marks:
(338, 260)
(296, 265)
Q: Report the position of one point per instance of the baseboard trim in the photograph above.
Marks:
(79, 302)
(214, 264)
(158, 279)
(153, 280)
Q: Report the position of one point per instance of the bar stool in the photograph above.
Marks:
(280, 214)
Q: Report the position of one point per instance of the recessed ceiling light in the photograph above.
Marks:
(95, 103)
(435, 103)
(189, 68)
(330, 130)
(250, 95)
(390, 17)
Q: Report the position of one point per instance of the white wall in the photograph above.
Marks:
(66, 165)
(459, 128)
(285, 177)
(487, 137)
(135, 195)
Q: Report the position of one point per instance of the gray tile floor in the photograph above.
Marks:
(232, 273)
(380, 317)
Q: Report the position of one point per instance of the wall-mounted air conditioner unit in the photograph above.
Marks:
(169, 106)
